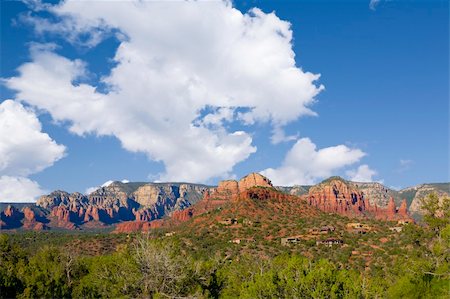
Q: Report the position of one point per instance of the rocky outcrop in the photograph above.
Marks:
(231, 189)
(416, 193)
(11, 218)
(62, 198)
(403, 209)
(135, 226)
(115, 203)
(227, 189)
(260, 194)
(30, 220)
(183, 215)
(337, 195)
(254, 180)
(146, 202)
(378, 194)
(26, 218)
(161, 199)
(60, 217)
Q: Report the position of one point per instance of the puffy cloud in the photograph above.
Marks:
(24, 148)
(362, 174)
(305, 164)
(373, 4)
(18, 189)
(182, 70)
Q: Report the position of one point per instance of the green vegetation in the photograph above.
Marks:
(202, 263)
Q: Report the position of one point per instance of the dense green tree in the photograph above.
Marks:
(109, 276)
(11, 255)
(436, 211)
(45, 275)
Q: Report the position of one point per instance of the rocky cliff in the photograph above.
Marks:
(336, 195)
(416, 193)
(118, 202)
(122, 204)
(230, 189)
(378, 194)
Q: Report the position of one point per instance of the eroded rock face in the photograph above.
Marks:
(183, 215)
(228, 188)
(58, 198)
(143, 215)
(11, 218)
(10, 211)
(421, 191)
(391, 209)
(403, 209)
(377, 193)
(91, 214)
(254, 180)
(336, 195)
(136, 226)
(30, 220)
(231, 189)
(29, 214)
(118, 202)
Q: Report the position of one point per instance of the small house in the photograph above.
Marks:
(290, 240)
(228, 221)
(330, 242)
(396, 229)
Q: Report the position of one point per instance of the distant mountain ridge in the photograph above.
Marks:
(145, 202)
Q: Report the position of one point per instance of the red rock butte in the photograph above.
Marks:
(336, 195)
(231, 189)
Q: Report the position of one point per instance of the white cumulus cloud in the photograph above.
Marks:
(362, 174)
(24, 150)
(305, 164)
(18, 189)
(183, 68)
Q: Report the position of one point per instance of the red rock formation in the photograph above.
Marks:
(264, 194)
(91, 214)
(62, 218)
(391, 209)
(40, 226)
(336, 196)
(183, 215)
(230, 189)
(129, 226)
(61, 213)
(29, 214)
(339, 196)
(403, 209)
(10, 211)
(253, 180)
(227, 189)
(135, 226)
(11, 218)
(30, 222)
(143, 215)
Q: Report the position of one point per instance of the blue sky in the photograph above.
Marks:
(382, 115)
